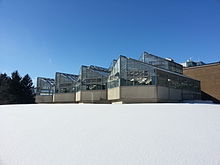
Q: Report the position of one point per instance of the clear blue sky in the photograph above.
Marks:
(41, 37)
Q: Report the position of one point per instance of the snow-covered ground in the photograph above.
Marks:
(141, 134)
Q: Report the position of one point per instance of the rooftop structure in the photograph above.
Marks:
(190, 63)
(164, 63)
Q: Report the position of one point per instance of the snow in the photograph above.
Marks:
(133, 134)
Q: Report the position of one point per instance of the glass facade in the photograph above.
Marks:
(65, 83)
(177, 81)
(45, 86)
(149, 70)
(92, 78)
(130, 72)
(159, 62)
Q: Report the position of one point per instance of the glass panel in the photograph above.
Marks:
(45, 86)
(92, 78)
(163, 63)
(177, 81)
(65, 83)
(131, 73)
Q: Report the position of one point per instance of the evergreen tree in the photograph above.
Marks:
(16, 90)
(27, 86)
(5, 95)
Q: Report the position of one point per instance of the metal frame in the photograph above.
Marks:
(45, 86)
(163, 63)
(92, 78)
(131, 72)
(65, 83)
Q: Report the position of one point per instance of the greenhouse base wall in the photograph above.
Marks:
(133, 94)
(149, 94)
(44, 99)
(92, 96)
(64, 98)
(123, 95)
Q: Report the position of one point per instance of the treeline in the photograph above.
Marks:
(16, 89)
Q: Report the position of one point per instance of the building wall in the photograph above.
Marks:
(44, 99)
(138, 93)
(133, 94)
(147, 94)
(78, 96)
(166, 94)
(114, 93)
(187, 95)
(209, 76)
(92, 96)
(163, 92)
(64, 98)
(175, 94)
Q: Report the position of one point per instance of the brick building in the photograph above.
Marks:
(209, 76)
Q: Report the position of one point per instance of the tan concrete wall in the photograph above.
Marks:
(64, 98)
(144, 94)
(209, 76)
(92, 96)
(140, 92)
(114, 93)
(78, 96)
(44, 99)
(162, 92)
(133, 94)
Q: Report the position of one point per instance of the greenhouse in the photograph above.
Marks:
(45, 90)
(92, 84)
(65, 83)
(65, 87)
(132, 80)
(45, 86)
(127, 80)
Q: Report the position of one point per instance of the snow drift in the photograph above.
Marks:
(72, 134)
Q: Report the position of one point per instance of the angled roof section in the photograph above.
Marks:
(92, 78)
(65, 83)
(45, 86)
(164, 63)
